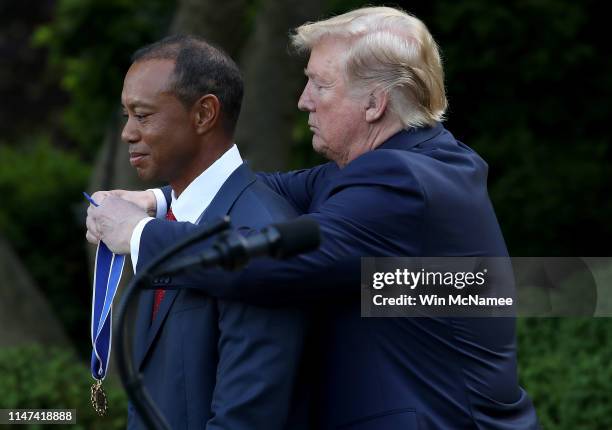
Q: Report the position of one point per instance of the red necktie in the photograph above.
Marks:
(159, 293)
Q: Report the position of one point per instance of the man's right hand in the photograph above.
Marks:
(145, 200)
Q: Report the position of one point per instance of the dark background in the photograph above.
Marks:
(529, 85)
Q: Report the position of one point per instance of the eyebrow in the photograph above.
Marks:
(309, 73)
(319, 78)
(136, 104)
(312, 75)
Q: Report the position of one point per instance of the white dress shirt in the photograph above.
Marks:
(194, 200)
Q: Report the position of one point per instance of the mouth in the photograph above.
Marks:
(136, 158)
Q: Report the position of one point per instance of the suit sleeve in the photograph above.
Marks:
(365, 215)
(297, 186)
(354, 224)
(259, 352)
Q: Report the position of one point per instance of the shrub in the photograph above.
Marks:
(42, 216)
(37, 377)
(566, 367)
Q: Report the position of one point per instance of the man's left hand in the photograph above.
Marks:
(113, 223)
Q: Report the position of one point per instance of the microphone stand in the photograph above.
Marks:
(130, 378)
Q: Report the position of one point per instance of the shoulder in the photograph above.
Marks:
(313, 178)
(378, 168)
(258, 206)
(425, 163)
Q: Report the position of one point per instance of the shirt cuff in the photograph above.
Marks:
(135, 240)
(162, 205)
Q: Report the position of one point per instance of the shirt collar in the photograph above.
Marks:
(194, 200)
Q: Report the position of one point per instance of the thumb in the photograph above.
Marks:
(100, 196)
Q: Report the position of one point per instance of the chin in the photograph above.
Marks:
(318, 147)
(144, 174)
(323, 151)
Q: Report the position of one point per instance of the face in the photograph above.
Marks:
(159, 129)
(337, 115)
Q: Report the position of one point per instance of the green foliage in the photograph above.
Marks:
(530, 90)
(90, 43)
(34, 377)
(41, 188)
(31, 177)
(566, 367)
(30, 101)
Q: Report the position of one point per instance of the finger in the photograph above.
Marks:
(92, 227)
(91, 238)
(100, 196)
(92, 214)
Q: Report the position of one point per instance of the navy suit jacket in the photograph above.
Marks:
(421, 193)
(211, 363)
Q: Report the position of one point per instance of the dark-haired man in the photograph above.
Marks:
(207, 363)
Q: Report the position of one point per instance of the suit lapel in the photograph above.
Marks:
(221, 205)
(229, 193)
(158, 322)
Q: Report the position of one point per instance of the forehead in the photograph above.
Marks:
(327, 57)
(146, 80)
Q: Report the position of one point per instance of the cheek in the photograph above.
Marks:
(337, 124)
(157, 145)
(342, 131)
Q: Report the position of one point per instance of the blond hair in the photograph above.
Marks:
(392, 51)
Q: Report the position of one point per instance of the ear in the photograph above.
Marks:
(207, 110)
(376, 105)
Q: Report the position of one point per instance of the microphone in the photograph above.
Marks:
(233, 250)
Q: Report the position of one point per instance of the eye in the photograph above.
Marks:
(316, 85)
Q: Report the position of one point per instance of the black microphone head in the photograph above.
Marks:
(296, 237)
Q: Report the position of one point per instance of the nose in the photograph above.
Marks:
(305, 102)
(130, 133)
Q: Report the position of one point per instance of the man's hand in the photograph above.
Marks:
(145, 200)
(113, 222)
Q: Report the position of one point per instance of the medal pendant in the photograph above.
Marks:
(98, 398)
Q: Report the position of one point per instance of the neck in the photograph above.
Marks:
(376, 135)
(211, 152)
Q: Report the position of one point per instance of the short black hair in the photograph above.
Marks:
(200, 68)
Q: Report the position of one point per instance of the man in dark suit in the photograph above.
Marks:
(398, 184)
(207, 363)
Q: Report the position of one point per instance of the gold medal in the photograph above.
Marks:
(98, 398)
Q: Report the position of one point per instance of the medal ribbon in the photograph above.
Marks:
(107, 274)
